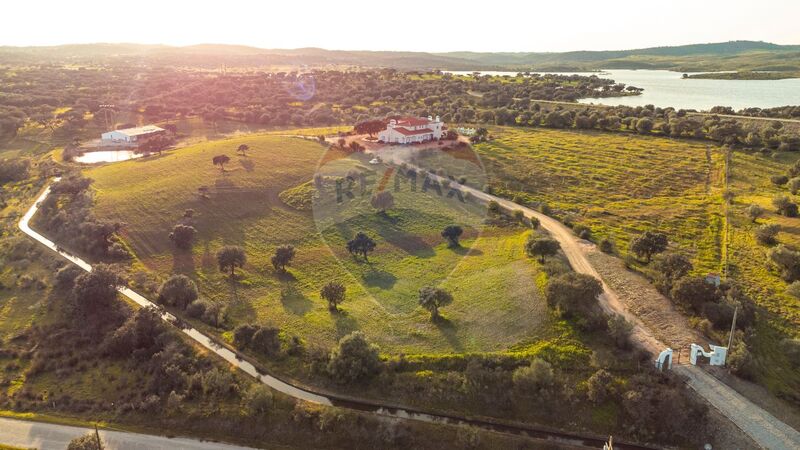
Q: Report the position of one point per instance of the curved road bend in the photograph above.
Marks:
(238, 361)
(765, 429)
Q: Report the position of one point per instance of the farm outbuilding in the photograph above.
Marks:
(131, 135)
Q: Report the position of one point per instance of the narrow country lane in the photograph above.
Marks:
(763, 427)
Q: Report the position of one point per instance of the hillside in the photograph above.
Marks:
(734, 55)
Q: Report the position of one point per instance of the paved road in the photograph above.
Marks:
(47, 436)
(763, 427)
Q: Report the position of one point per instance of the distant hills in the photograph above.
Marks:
(734, 55)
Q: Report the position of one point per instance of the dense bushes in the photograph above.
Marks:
(575, 295)
(353, 359)
(66, 214)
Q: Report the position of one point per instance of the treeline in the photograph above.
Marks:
(67, 100)
(648, 120)
(780, 112)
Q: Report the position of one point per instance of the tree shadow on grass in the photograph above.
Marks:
(294, 300)
(285, 276)
(407, 242)
(345, 324)
(183, 261)
(208, 262)
(448, 330)
(466, 251)
(379, 278)
(248, 164)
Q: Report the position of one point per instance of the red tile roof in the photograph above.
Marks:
(407, 132)
(412, 121)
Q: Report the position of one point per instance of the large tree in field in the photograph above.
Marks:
(230, 257)
(370, 127)
(333, 293)
(433, 298)
(282, 257)
(648, 244)
(182, 236)
(97, 289)
(542, 248)
(361, 244)
(178, 290)
(220, 160)
(452, 233)
(382, 201)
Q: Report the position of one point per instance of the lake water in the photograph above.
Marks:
(107, 156)
(665, 88)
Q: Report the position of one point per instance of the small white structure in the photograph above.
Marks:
(410, 130)
(716, 356)
(130, 135)
(664, 360)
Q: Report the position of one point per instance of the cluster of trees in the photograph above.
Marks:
(66, 214)
(780, 112)
(16, 169)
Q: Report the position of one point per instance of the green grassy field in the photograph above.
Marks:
(497, 303)
(617, 184)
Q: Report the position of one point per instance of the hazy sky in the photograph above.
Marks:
(431, 25)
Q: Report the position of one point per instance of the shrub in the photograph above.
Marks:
(535, 223)
(783, 205)
(694, 292)
(353, 359)
(779, 180)
(755, 211)
(767, 232)
(196, 309)
(787, 260)
(219, 383)
(606, 246)
(794, 289)
(600, 387)
(535, 377)
(257, 399)
(266, 340)
(178, 291)
(243, 335)
(65, 276)
(794, 185)
(575, 295)
(582, 231)
(791, 347)
(493, 208)
(620, 330)
(739, 360)
(90, 441)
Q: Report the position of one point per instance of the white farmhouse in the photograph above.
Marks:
(130, 135)
(409, 130)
